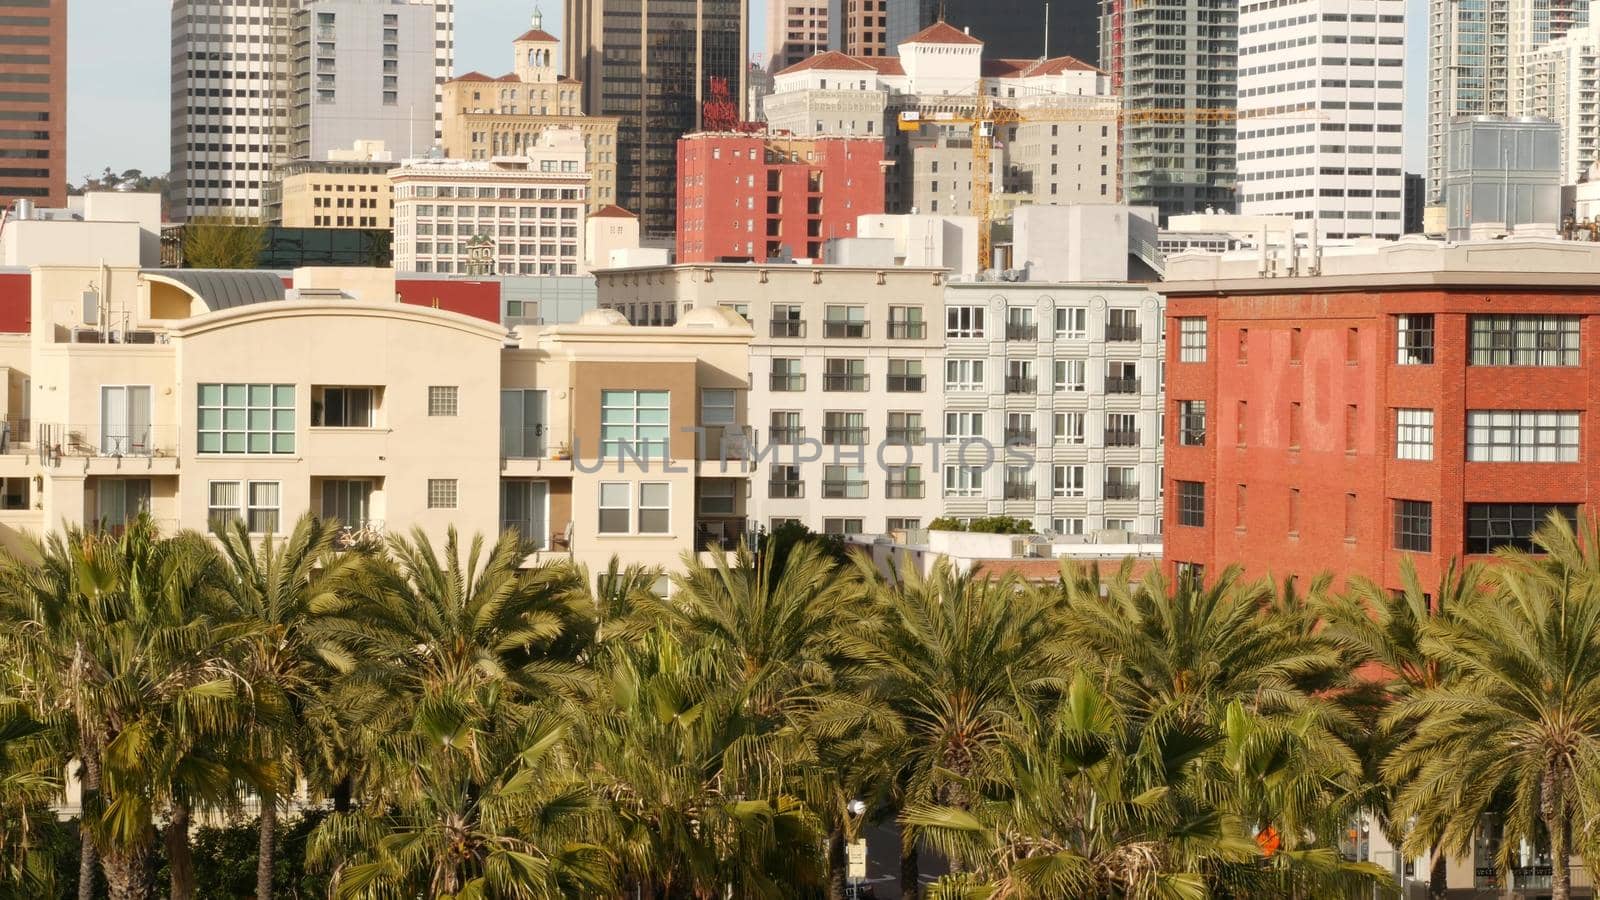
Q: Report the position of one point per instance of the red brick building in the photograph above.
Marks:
(1411, 398)
(33, 140)
(757, 197)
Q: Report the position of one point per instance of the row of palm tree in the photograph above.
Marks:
(477, 728)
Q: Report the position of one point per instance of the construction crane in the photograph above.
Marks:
(984, 116)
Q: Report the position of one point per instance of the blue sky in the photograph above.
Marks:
(118, 73)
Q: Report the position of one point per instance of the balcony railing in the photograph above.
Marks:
(723, 532)
(1021, 437)
(1021, 384)
(907, 435)
(833, 381)
(1122, 385)
(1121, 490)
(786, 435)
(905, 490)
(844, 489)
(786, 489)
(1016, 331)
(1019, 490)
(908, 331)
(1122, 333)
(846, 329)
(788, 382)
(844, 436)
(788, 328)
(1120, 438)
(907, 384)
(56, 441)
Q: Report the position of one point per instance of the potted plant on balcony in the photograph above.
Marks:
(561, 452)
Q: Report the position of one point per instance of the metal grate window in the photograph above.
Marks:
(1192, 503)
(1414, 339)
(1413, 434)
(1521, 435)
(1191, 339)
(1413, 525)
(1491, 526)
(1523, 340)
(1192, 423)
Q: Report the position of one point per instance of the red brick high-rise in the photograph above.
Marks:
(33, 102)
(758, 197)
(1412, 398)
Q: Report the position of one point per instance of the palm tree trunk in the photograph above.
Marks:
(1438, 880)
(1555, 823)
(180, 856)
(266, 849)
(126, 874)
(89, 793)
(910, 872)
(836, 865)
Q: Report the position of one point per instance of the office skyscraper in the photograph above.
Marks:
(858, 27)
(33, 140)
(796, 29)
(1011, 30)
(255, 81)
(654, 64)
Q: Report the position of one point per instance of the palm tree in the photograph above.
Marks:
(1516, 721)
(286, 590)
(961, 659)
(29, 763)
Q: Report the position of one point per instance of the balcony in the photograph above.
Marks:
(1122, 333)
(908, 331)
(1021, 437)
(788, 383)
(844, 436)
(1121, 490)
(786, 489)
(725, 533)
(526, 442)
(1021, 384)
(1122, 385)
(846, 383)
(1116, 437)
(845, 329)
(907, 384)
(1016, 331)
(905, 490)
(786, 435)
(1019, 490)
(114, 442)
(906, 436)
(844, 488)
(788, 328)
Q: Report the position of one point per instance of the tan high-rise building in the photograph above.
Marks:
(796, 30)
(33, 143)
(485, 117)
(858, 27)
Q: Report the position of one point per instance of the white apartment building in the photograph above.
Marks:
(1559, 82)
(1062, 149)
(236, 99)
(846, 383)
(510, 215)
(1321, 86)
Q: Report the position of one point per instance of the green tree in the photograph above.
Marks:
(222, 244)
(29, 781)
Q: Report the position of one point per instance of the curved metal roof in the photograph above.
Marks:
(225, 288)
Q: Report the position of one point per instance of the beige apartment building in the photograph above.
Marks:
(350, 189)
(201, 396)
(486, 116)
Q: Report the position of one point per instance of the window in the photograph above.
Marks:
(905, 376)
(905, 428)
(904, 483)
(655, 507)
(615, 506)
(1192, 503)
(634, 423)
(1122, 430)
(1018, 483)
(1413, 525)
(1414, 339)
(1122, 483)
(845, 322)
(1525, 435)
(1068, 428)
(787, 321)
(246, 418)
(226, 503)
(787, 375)
(1019, 324)
(443, 400)
(844, 429)
(717, 407)
(849, 375)
(963, 425)
(963, 374)
(1019, 377)
(1071, 375)
(905, 323)
(1019, 430)
(1067, 481)
(522, 424)
(442, 493)
(347, 501)
(1413, 434)
(125, 420)
(1192, 423)
(1491, 526)
(1067, 525)
(1072, 323)
(843, 526)
(1191, 339)
(963, 481)
(901, 523)
(117, 501)
(1523, 340)
(1123, 325)
(964, 322)
(786, 428)
(784, 483)
(844, 482)
(343, 407)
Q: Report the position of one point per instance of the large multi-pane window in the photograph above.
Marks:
(1068, 427)
(1191, 339)
(963, 426)
(118, 501)
(963, 374)
(963, 481)
(844, 429)
(1521, 435)
(125, 420)
(634, 423)
(788, 375)
(343, 407)
(246, 418)
(257, 503)
(1192, 503)
(845, 322)
(347, 500)
(1072, 323)
(1491, 526)
(523, 424)
(1523, 340)
(1413, 434)
(1067, 481)
(844, 482)
(964, 322)
(1071, 375)
(906, 376)
(1413, 525)
(844, 375)
(1192, 423)
(1414, 339)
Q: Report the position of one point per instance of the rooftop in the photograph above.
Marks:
(941, 33)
